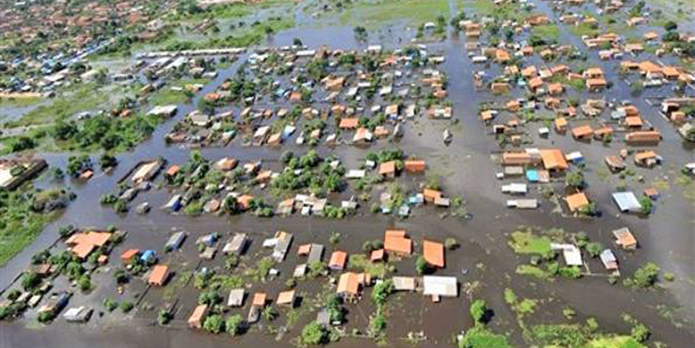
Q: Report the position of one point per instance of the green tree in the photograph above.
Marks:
(30, 280)
(646, 205)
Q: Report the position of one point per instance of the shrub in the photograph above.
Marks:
(110, 304)
(421, 265)
(478, 310)
(126, 306)
(314, 333)
(214, 324)
(234, 324)
(646, 275)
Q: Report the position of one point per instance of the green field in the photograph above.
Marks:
(412, 12)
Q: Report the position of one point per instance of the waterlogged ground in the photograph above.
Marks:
(466, 168)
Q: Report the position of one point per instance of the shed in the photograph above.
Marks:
(610, 262)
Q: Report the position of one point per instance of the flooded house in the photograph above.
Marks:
(195, 321)
(627, 202)
(14, 172)
(338, 260)
(397, 242)
(350, 285)
(237, 245)
(440, 286)
(283, 240)
(625, 239)
(236, 297)
(433, 253)
(175, 241)
(158, 275)
(286, 299)
(643, 138)
(83, 244)
(576, 202)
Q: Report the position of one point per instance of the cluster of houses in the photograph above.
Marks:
(340, 98)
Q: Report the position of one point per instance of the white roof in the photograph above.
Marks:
(627, 201)
(440, 286)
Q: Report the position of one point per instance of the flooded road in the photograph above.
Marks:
(465, 167)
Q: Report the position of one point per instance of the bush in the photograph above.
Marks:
(421, 265)
(478, 310)
(85, 283)
(451, 243)
(45, 317)
(382, 291)
(314, 333)
(164, 317)
(234, 325)
(110, 304)
(640, 333)
(214, 324)
(30, 280)
(646, 276)
(126, 306)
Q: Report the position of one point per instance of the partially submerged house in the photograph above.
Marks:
(625, 239)
(440, 286)
(159, 275)
(433, 253)
(397, 242)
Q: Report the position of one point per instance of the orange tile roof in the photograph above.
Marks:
(553, 159)
(259, 299)
(158, 275)
(338, 259)
(433, 253)
(576, 201)
(415, 166)
(286, 297)
(582, 131)
(387, 168)
(349, 123)
(128, 254)
(349, 283)
(396, 241)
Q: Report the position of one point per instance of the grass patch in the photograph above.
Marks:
(20, 223)
(412, 12)
(548, 32)
(482, 337)
(361, 263)
(533, 271)
(20, 101)
(614, 342)
(249, 36)
(583, 29)
(85, 98)
(525, 242)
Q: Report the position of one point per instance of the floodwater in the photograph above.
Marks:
(666, 237)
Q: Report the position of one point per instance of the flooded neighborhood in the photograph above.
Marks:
(361, 173)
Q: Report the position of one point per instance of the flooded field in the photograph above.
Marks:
(484, 264)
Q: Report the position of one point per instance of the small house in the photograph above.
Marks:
(159, 275)
(625, 239)
(195, 321)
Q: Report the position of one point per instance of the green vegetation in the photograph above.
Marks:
(248, 36)
(379, 12)
(361, 263)
(314, 333)
(644, 277)
(234, 325)
(525, 242)
(214, 324)
(482, 337)
(23, 214)
(549, 32)
(478, 311)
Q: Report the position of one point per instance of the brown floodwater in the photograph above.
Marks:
(466, 168)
